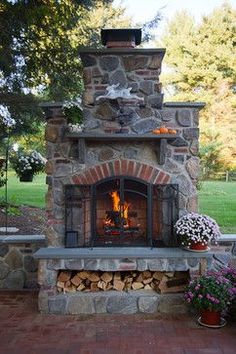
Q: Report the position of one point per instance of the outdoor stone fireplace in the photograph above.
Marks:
(116, 189)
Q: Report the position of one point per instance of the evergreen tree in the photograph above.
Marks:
(203, 68)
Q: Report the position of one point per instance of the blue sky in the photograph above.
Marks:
(144, 10)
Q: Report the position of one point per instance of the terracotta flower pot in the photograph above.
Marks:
(212, 318)
(198, 246)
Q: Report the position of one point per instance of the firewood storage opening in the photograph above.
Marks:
(69, 281)
(121, 211)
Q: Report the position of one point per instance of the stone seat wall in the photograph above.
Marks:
(18, 267)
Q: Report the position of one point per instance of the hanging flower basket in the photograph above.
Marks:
(27, 164)
(26, 177)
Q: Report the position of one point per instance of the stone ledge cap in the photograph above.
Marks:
(51, 104)
(113, 51)
(22, 239)
(199, 105)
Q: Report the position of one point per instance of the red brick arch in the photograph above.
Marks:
(122, 167)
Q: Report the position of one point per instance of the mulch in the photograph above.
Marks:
(30, 221)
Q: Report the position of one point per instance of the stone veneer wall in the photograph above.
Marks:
(18, 267)
(139, 69)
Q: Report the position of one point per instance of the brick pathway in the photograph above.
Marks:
(24, 330)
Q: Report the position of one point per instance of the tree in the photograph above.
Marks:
(39, 43)
(203, 68)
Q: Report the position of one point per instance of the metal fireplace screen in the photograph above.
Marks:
(121, 211)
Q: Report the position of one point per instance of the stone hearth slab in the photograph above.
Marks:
(126, 259)
(120, 252)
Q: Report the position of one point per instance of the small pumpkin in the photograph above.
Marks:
(164, 130)
(172, 131)
(156, 131)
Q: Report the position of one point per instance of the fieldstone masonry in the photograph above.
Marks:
(18, 267)
(139, 69)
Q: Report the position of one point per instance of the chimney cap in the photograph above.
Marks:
(121, 35)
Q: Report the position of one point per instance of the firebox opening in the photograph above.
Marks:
(122, 211)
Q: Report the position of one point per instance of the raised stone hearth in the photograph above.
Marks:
(117, 187)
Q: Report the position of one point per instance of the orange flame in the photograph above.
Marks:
(116, 201)
(124, 209)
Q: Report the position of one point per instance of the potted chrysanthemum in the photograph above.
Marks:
(230, 274)
(195, 231)
(210, 294)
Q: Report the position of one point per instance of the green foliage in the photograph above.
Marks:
(34, 141)
(40, 41)
(209, 292)
(2, 179)
(218, 199)
(210, 159)
(11, 209)
(73, 114)
(32, 194)
(24, 108)
(2, 170)
(202, 65)
(73, 111)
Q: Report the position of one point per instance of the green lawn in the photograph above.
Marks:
(218, 199)
(27, 193)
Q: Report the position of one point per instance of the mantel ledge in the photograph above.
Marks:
(110, 136)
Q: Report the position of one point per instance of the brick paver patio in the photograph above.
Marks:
(24, 330)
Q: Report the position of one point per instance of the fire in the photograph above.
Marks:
(116, 200)
(124, 209)
(119, 220)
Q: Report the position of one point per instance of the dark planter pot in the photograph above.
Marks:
(26, 177)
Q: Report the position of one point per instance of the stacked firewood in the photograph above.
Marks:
(163, 282)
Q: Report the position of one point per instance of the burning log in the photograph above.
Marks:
(118, 220)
